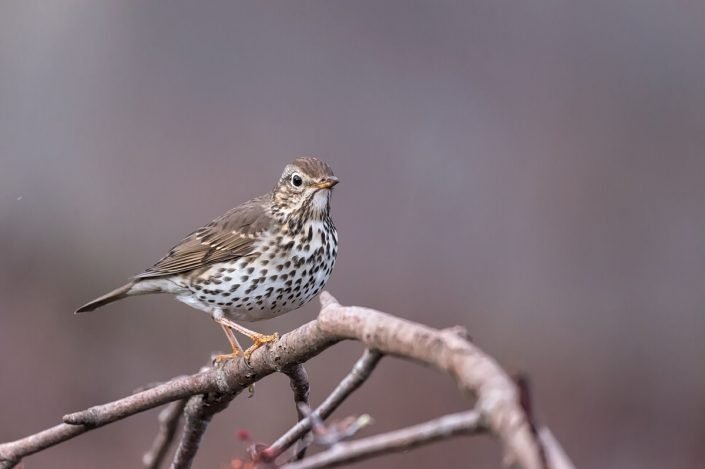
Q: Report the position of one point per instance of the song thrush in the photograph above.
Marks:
(264, 258)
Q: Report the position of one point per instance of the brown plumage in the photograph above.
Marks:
(117, 294)
(224, 267)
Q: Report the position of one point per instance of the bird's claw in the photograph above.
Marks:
(221, 359)
(259, 341)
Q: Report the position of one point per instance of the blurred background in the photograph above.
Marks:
(532, 171)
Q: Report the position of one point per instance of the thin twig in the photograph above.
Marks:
(463, 423)
(298, 379)
(168, 421)
(555, 455)
(175, 389)
(337, 431)
(12, 453)
(358, 375)
(526, 402)
(198, 412)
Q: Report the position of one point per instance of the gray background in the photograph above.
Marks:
(530, 170)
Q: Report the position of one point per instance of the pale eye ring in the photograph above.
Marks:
(296, 180)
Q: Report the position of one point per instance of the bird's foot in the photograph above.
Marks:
(258, 341)
(220, 359)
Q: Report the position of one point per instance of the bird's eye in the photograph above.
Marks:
(296, 180)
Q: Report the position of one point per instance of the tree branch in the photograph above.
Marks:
(12, 453)
(357, 376)
(168, 421)
(198, 413)
(298, 379)
(463, 423)
(475, 373)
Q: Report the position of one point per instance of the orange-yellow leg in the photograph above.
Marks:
(234, 344)
(257, 338)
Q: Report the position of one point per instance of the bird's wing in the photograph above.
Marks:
(226, 238)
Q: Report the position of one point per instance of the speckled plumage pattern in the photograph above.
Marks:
(265, 257)
(285, 271)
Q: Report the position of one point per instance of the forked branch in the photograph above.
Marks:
(498, 408)
(357, 376)
(168, 421)
(462, 423)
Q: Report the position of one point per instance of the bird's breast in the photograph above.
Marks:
(284, 272)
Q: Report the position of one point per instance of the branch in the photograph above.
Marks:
(298, 379)
(168, 421)
(357, 376)
(552, 455)
(198, 413)
(475, 373)
(12, 453)
(555, 456)
(295, 347)
(463, 423)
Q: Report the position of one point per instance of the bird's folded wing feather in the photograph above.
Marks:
(224, 239)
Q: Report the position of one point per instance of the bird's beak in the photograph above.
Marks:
(327, 183)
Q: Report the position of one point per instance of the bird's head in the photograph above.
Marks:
(304, 189)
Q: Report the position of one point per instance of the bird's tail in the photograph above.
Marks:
(117, 294)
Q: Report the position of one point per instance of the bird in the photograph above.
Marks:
(261, 259)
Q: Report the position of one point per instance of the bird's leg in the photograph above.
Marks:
(258, 339)
(237, 351)
(234, 344)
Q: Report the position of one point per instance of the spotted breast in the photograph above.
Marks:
(285, 271)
